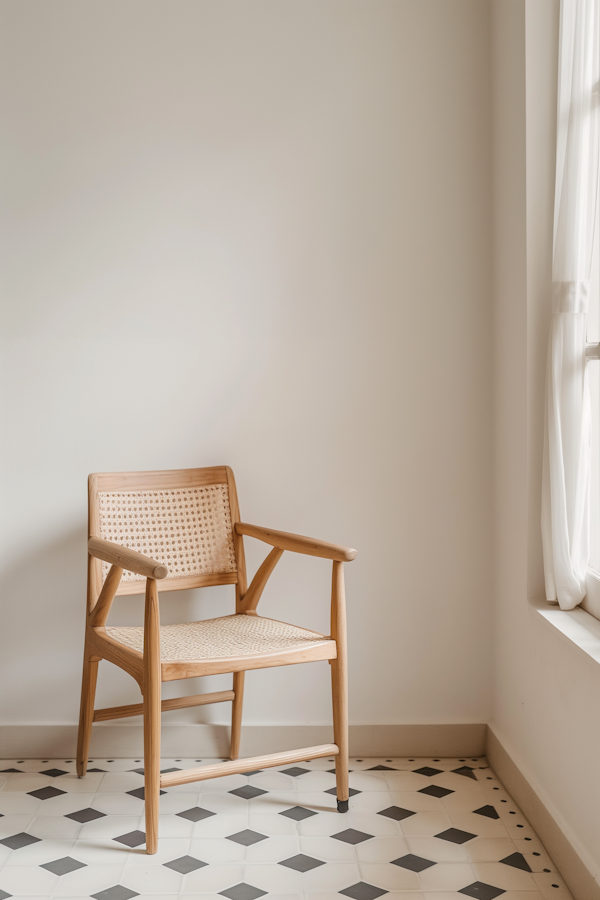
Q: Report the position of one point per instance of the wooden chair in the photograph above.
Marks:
(181, 529)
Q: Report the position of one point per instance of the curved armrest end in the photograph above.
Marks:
(126, 558)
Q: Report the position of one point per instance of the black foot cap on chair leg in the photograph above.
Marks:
(342, 806)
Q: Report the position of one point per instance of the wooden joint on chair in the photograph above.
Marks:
(137, 709)
(99, 614)
(239, 766)
(249, 601)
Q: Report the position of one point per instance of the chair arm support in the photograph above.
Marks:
(126, 558)
(298, 543)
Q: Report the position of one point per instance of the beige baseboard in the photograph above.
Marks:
(212, 741)
(575, 873)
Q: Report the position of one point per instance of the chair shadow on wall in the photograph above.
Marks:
(43, 595)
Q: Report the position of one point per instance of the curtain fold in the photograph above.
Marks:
(567, 438)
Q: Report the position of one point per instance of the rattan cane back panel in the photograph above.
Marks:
(188, 529)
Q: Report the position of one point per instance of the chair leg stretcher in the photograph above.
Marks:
(239, 766)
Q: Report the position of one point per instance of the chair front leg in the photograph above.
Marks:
(236, 714)
(152, 710)
(86, 711)
(339, 686)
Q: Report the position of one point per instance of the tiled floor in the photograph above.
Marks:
(423, 829)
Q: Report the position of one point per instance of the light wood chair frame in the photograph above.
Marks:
(148, 670)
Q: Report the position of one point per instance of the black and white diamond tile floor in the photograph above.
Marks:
(418, 829)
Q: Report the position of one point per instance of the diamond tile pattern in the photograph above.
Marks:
(433, 790)
(295, 771)
(132, 839)
(185, 864)
(46, 793)
(196, 814)
(482, 891)
(298, 813)
(139, 793)
(244, 842)
(243, 892)
(352, 836)
(414, 863)
(18, 841)
(247, 837)
(117, 892)
(456, 836)
(397, 813)
(85, 815)
(302, 863)
(363, 891)
(248, 792)
(63, 866)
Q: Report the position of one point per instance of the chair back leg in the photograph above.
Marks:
(152, 711)
(339, 685)
(236, 714)
(86, 710)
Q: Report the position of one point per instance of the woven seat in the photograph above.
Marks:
(226, 636)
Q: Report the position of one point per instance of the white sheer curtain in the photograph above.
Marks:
(566, 469)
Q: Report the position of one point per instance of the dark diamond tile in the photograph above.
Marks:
(294, 771)
(243, 892)
(352, 836)
(85, 815)
(468, 772)
(332, 771)
(353, 792)
(298, 813)
(97, 770)
(433, 790)
(488, 811)
(248, 793)
(517, 861)
(139, 793)
(301, 863)
(4, 895)
(247, 837)
(166, 771)
(118, 892)
(428, 771)
(254, 772)
(132, 838)
(5, 771)
(46, 793)
(16, 841)
(381, 769)
(396, 812)
(195, 814)
(185, 864)
(412, 862)
(54, 773)
(481, 891)
(455, 836)
(139, 771)
(63, 866)
(363, 891)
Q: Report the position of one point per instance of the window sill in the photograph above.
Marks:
(575, 626)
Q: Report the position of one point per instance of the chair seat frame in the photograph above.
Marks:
(149, 670)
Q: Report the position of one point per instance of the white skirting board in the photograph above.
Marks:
(212, 741)
(568, 861)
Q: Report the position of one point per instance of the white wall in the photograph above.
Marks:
(255, 234)
(546, 689)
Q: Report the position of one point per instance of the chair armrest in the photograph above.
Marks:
(126, 558)
(296, 542)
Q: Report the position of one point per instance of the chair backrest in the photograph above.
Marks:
(182, 518)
